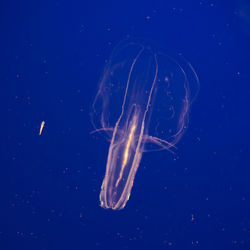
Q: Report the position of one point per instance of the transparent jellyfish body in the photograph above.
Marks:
(142, 104)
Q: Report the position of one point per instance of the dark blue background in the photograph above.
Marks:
(51, 57)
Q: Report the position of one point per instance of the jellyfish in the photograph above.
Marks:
(142, 104)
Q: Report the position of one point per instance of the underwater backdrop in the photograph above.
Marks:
(64, 70)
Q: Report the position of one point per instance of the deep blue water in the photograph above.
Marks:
(52, 54)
